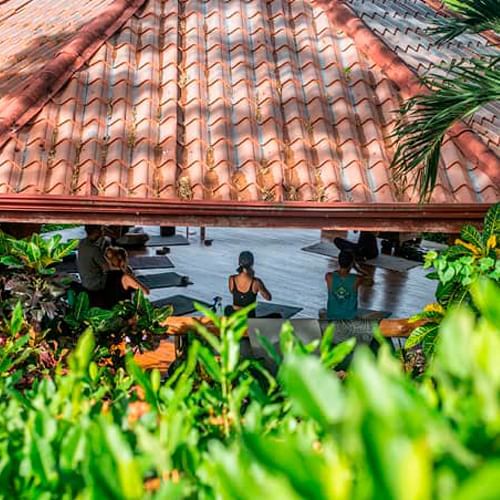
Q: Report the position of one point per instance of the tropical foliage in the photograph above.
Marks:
(221, 427)
(81, 423)
(474, 255)
(56, 315)
(458, 91)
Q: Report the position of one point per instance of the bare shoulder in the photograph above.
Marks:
(127, 281)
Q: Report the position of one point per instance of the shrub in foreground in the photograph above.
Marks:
(223, 427)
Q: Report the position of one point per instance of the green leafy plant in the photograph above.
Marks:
(134, 324)
(474, 255)
(35, 254)
(29, 277)
(217, 429)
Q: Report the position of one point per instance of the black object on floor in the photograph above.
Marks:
(162, 251)
(167, 241)
(181, 303)
(270, 309)
(164, 280)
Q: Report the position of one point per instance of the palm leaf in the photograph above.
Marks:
(425, 119)
(472, 16)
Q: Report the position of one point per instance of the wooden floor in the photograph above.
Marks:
(293, 276)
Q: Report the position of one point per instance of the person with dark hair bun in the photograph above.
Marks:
(343, 289)
(245, 286)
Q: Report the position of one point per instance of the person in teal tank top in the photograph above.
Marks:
(343, 290)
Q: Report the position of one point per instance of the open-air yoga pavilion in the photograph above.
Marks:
(261, 126)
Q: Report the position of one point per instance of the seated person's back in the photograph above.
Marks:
(343, 290)
(244, 286)
(92, 265)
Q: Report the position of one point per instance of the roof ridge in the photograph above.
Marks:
(41, 86)
(408, 82)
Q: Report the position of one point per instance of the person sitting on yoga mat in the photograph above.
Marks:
(366, 247)
(343, 290)
(245, 286)
(120, 282)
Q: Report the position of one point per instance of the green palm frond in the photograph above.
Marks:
(473, 16)
(425, 119)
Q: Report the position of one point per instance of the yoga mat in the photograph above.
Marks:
(181, 303)
(383, 261)
(163, 280)
(392, 263)
(265, 309)
(150, 262)
(372, 314)
(139, 262)
(167, 241)
(323, 248)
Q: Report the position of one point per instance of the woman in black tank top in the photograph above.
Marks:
(120, 282)
(245, 286)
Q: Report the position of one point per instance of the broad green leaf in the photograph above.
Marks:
(269, 348)
(72, 448)
(208, 361)
(84, 350)
(482, 485)
(339, 353)
(327, 341)
(313, 390)
(141, 378)
(304, 469)
(486, 296)
(16, 319)
(81, 307)
(418, 335)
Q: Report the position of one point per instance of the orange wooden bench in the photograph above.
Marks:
(179, 326)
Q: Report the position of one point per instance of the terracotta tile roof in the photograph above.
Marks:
(226, 103)
(38, 57)
(402, 25)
